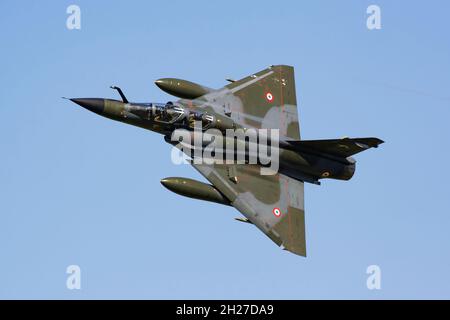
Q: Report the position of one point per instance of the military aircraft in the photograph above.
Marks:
(267, 99)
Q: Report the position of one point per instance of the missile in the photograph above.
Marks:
(182, 88)
(194, 189)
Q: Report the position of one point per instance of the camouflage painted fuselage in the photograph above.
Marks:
(265, 100)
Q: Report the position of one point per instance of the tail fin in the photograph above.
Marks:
(344, 148)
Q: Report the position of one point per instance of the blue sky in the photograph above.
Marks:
(76, 188)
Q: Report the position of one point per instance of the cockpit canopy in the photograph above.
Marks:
(168, 113)
(176, 114)
(164, 113)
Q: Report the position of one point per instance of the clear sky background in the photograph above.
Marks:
(76, 188)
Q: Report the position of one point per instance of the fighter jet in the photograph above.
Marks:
(265, 100)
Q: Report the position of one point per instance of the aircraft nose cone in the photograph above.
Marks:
(92, 104)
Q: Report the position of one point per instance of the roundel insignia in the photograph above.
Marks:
(269, 96)
(276, 212)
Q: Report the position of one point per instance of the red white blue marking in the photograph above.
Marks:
(276, 212)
